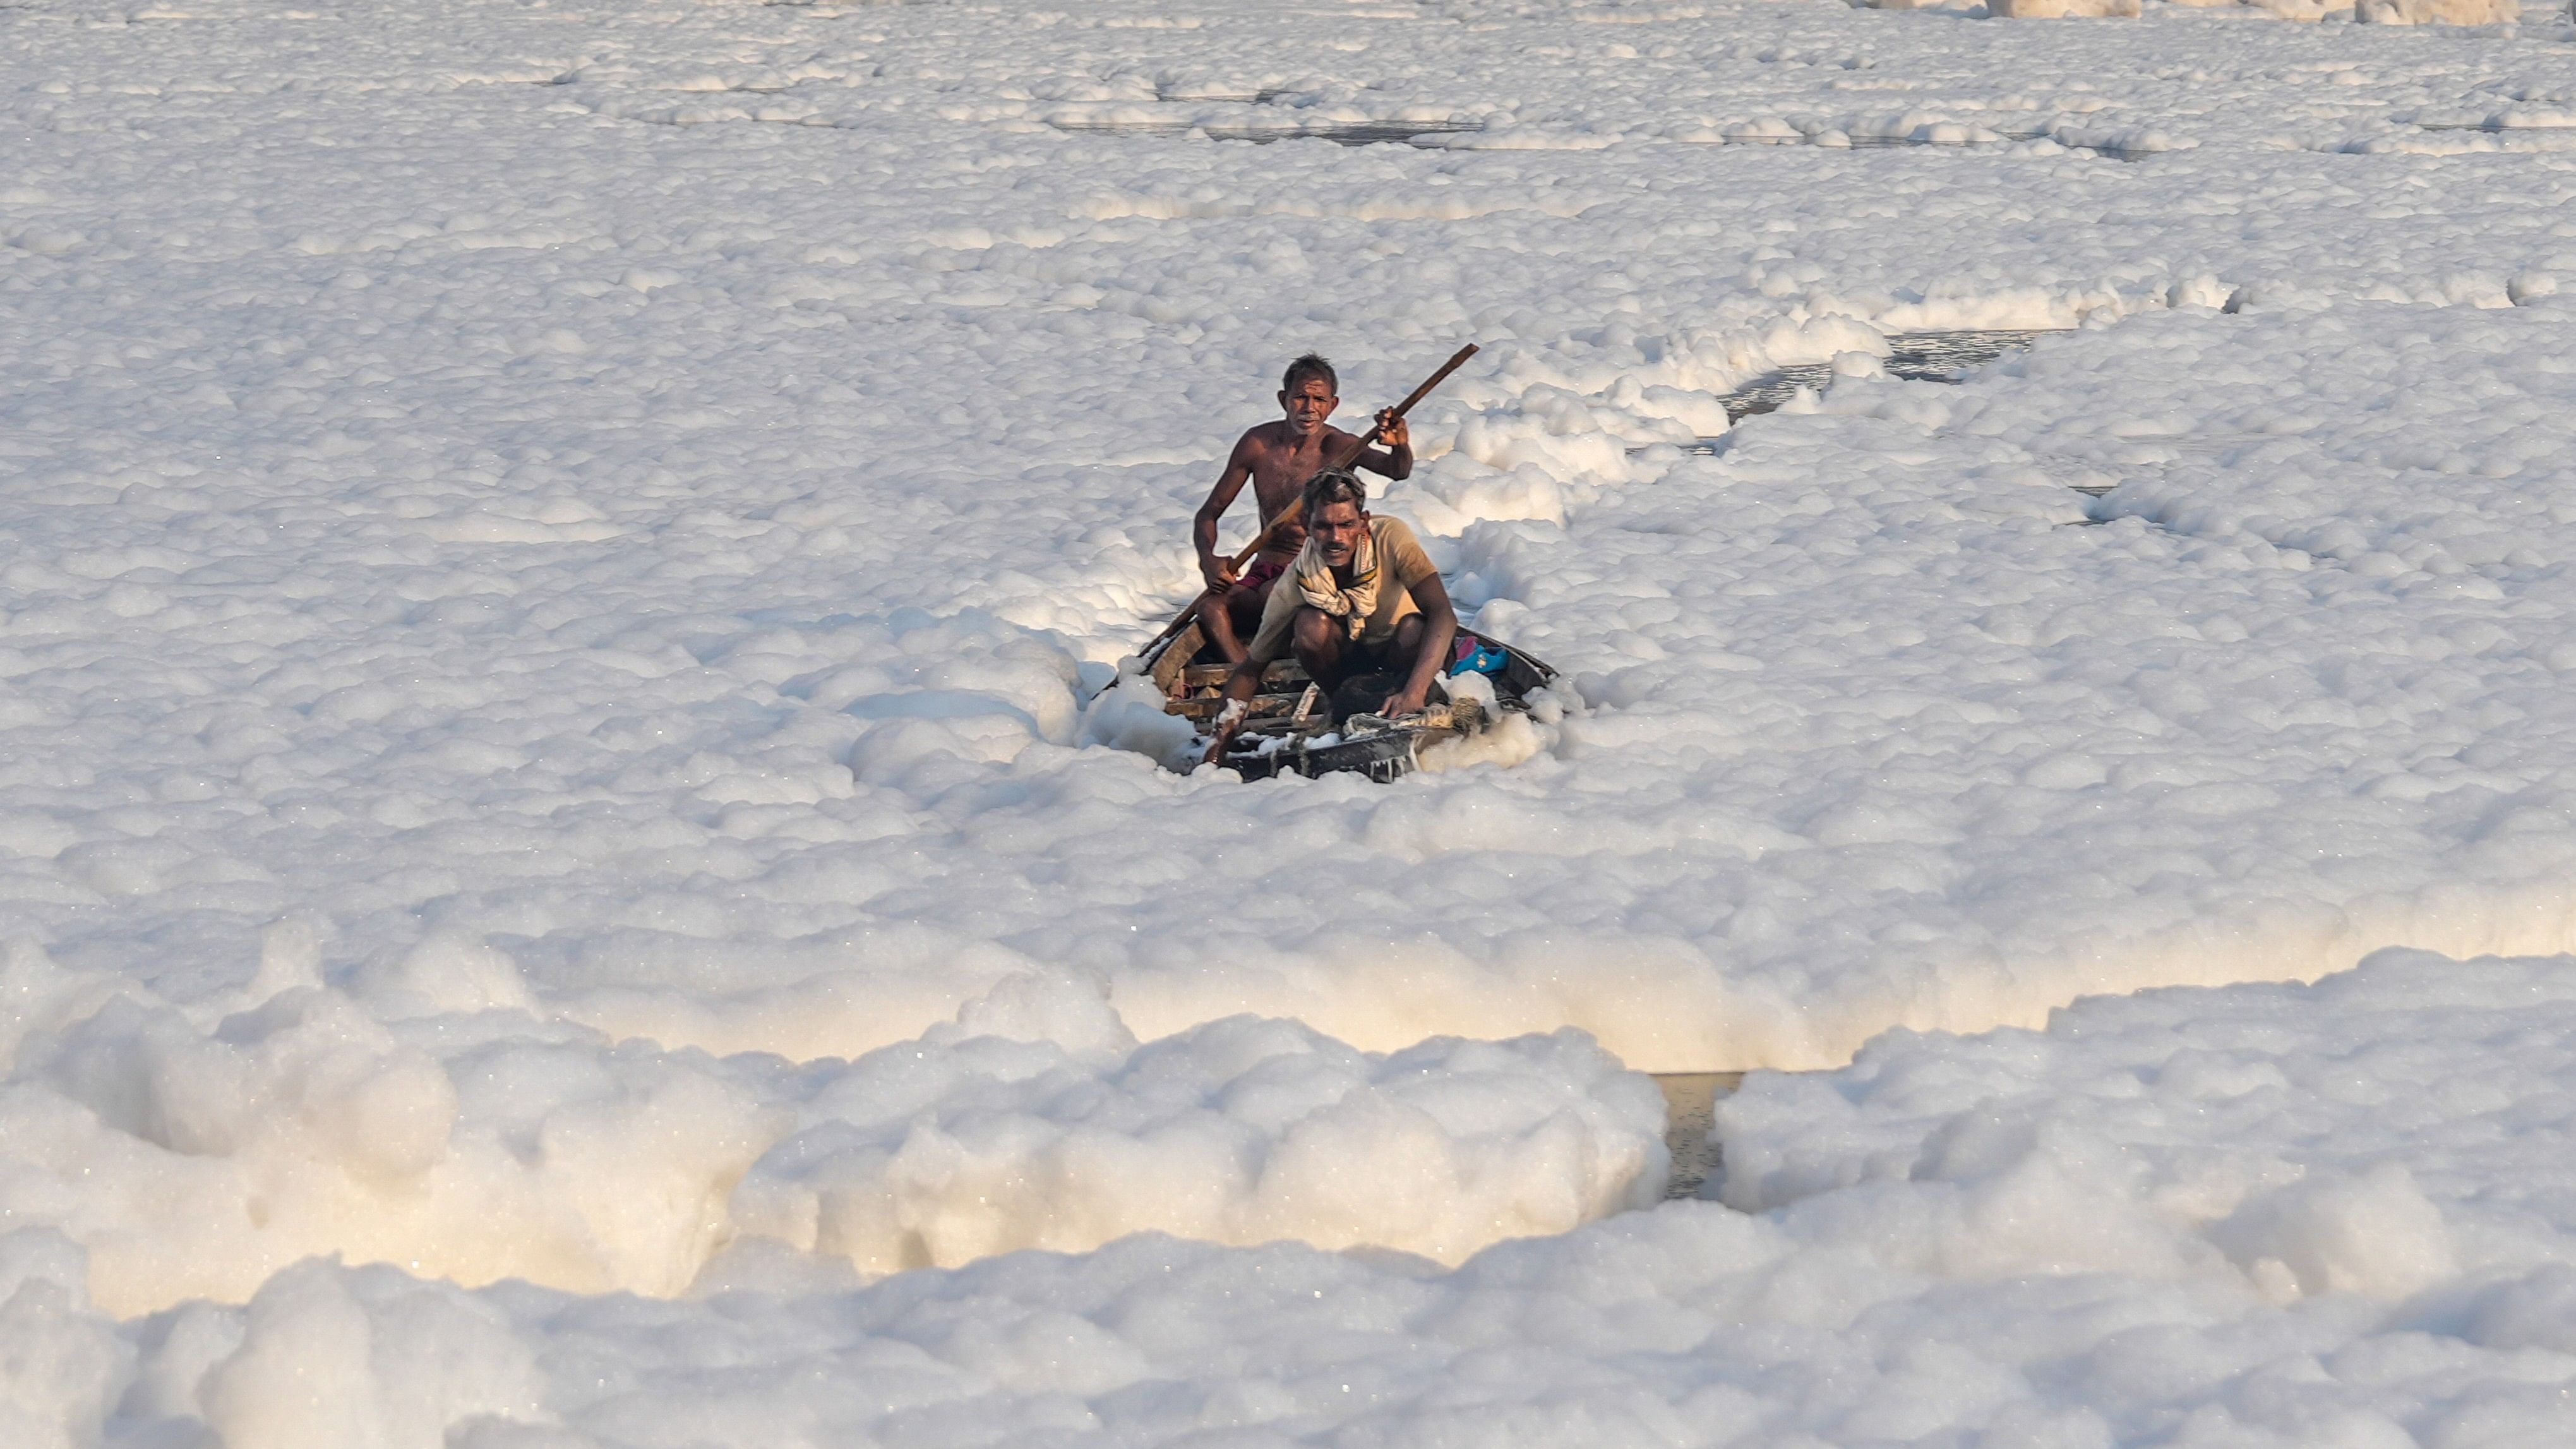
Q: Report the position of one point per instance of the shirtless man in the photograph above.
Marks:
(1279, 457)
(1359, 597)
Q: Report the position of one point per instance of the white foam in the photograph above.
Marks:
(2388, 1132)
(2272, 1212)
(481, 1146)
(559, 577)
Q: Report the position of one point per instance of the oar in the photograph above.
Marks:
(1296, 506)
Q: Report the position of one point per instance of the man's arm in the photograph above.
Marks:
(1439, 631)
(1240, 686)
(1278, 616)
(1214, 567)
(1395, 460)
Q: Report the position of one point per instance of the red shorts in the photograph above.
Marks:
(1263, 570)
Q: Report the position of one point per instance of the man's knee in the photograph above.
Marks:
(1245, 605)
(1319, 640)
(1408, 634)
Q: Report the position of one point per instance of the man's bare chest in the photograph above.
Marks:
(1279, 473)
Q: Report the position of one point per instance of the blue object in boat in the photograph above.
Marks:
(1477, 657)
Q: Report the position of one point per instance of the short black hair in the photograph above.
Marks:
(1313, 364)
(1335, 485)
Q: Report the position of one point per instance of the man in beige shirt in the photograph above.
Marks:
(1361, 597)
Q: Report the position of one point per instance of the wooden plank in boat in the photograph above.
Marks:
(1176, 657)
(1206, 708)
(1281, 671)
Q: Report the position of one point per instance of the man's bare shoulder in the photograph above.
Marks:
(1262, 437)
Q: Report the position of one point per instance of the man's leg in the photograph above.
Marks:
(1244, 603)
(1404, 650)
(1226, 619)
(1387, 667)
(1321, 642)
(1217, 624)
(1391, 661)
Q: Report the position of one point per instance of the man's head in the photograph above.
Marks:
(1308, 393)
(1337, 514)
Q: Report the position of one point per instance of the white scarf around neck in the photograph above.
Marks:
(1315, 580)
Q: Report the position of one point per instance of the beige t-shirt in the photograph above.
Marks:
(1401, 564)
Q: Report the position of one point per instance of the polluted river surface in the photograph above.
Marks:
(574, 870)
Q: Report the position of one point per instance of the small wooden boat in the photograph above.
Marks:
(1292, 728)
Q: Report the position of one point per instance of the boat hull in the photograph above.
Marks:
(1291, 732)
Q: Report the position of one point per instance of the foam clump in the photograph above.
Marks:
(1129, 715)
(2063, 9)
(331, 1359)
(1239, 1131)
(2325, 1214)
(199, 1157)
(2382, 1132)
(2438, 12)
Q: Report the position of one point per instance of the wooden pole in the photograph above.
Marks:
(1296, 506)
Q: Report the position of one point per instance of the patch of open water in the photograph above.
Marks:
(1430, 133)
(2495, 127)
(1690, 1107)
(1946, 356)
(1340, 133)
(1943, 356)
(1944, 136)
